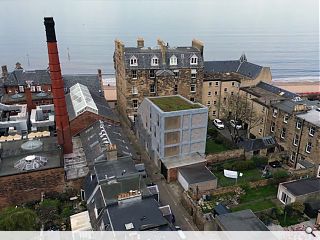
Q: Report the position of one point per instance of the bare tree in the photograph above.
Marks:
(238, 108)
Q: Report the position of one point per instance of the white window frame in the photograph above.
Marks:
(154, 61)
(272, 127)
(295, 140)
(214, 102)
(133, 61)
(32, 88)
(293, 157)
(134, 76)
(214, 113)
(154, 88)
(225, 90)
(21, 88)
(274, 112)
(312, 131)
(173, 60)
(283, 133)
(308, 147)
(217, 84)
(193, 73)
(176, 73)
(193, 86)
(175, 88)
(39, 88)
(286, 118)
(194, 60)
(133, 103)
(210, 84)
(209, 93)
(134, 90)
(260, 131)
(208, 103)
(298, 124)
(154, 73)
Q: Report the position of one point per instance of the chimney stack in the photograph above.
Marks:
(163, 48)
(4, 71)
(198, 45)
(60, 107)
(140, 42)
(18, 65)
(28, 95)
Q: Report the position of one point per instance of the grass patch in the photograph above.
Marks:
(255, 206)
(213, 147)
(253, 194)
(175, 103)
(248, 176)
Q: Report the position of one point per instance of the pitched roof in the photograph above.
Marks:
(20, 76)
(244, 220)
(303, 186)
(257, 144)
(241, 66)
(276, 90)
(288, 105)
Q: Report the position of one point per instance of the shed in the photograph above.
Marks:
(312, 208)
(220, 209)
(197, 177)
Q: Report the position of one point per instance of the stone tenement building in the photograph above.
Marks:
(224, 78)
(295, 124)
(146, 72)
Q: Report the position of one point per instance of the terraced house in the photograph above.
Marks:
(223, 79)
(147, 72)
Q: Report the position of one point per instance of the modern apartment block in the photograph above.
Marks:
(173, 131)
(223, 79)
(295, 124)
(146, 72)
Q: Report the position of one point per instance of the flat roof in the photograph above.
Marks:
(196, 173)
(303, 186)
(80, 222)
(174, 162)
(174, 103)
(12, 152)
(312, 116)
(244, 220)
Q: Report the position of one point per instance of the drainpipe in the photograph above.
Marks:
(297, 153)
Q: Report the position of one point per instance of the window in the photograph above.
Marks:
(296, 140)
(135, 103)
(285, 118)
(209, 93)
(263, 109)
(208, 103)
(192, 99)
(293, 157)
(210, 84)
(192, 88)
(133, 61)
(298, 124)
(260, 130)
(308, 147)
(33, 88)
(261, 121)
(272, 126)
(194, 60)
(176, 73)
(154, 61)
(39, 89)
(173, 60)
(231, 93)
(176, 89)
(21, 88)
(134, 90)
(226, 89)
(312, 131)
(152, 88)
(215, 93)
(134, 74)
(232, 84)
(215, 102)
(49, 89)
(214, 113)
(285, 198)
(95, 211)
(283, 133)
(193, 73)
(224, 100)
(274, 112)
(152, 73)
(217, 83)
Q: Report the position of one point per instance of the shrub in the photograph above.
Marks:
(280, 174)
(212, 132)
(259, 161)
(18, 219)
(244, 165)
(298, 207)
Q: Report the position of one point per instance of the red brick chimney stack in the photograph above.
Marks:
(60, 108)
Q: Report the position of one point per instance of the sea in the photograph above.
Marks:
(280, 34)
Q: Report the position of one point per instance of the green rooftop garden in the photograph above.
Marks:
(174, 103)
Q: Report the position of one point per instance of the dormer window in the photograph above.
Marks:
(173, 60)
(133, 61)
(194, 60)
(154, 61)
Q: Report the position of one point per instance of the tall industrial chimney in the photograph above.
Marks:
(60, 108)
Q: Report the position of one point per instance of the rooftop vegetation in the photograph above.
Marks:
(174, 103)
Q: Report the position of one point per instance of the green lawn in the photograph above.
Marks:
(213, 147)
(255, 206)
(248, 176)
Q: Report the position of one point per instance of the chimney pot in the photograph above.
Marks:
(198, 45)
(18, 65)
(140, 42)
(4, 71)
(50, 32)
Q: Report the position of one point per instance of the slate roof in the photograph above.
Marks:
(93, 84)
(244, 220)
(289, 104)
(196, 173)
(18, 77)
(303, 186)
(221, 209)
(276, 90)
(144, 214)
(312, 116)
(257, 144)
(144, 56)
(241, 66)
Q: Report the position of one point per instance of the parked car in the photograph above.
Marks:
(275, 164)
(218, 123)
(141, 169)
(235, 124)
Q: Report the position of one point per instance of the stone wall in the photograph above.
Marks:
(25, 187)
(226, 155)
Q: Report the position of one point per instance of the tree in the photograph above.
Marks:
(239, 108)
(18, 219)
